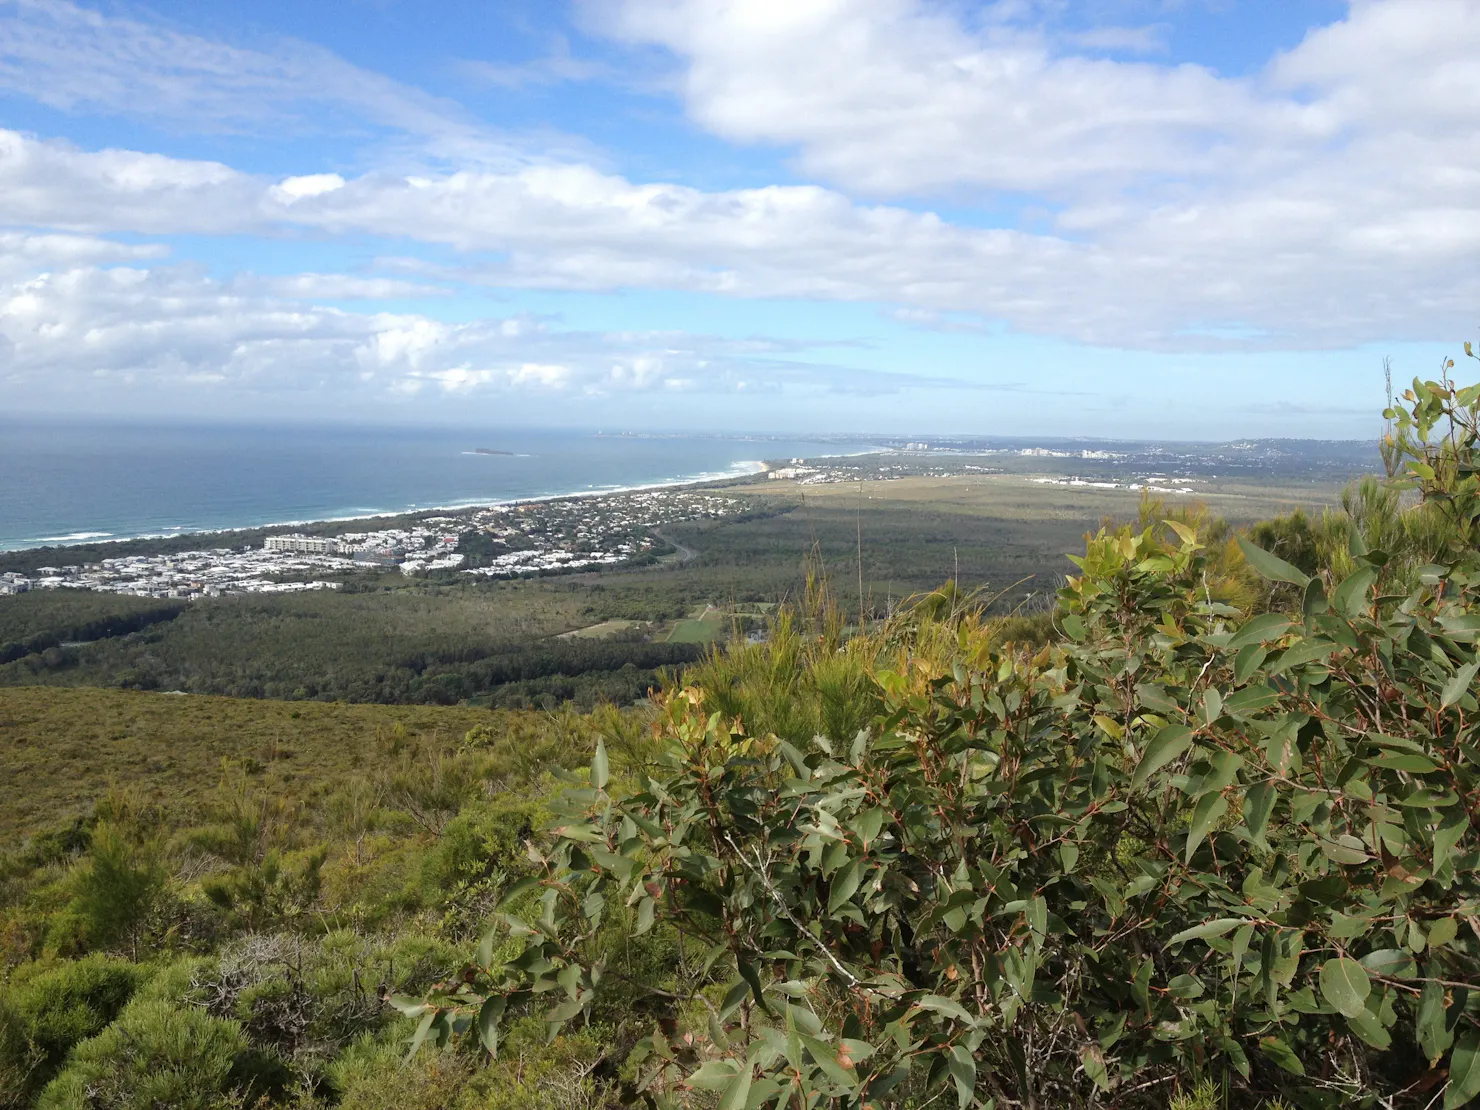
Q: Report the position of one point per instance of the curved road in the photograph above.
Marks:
(684, 554)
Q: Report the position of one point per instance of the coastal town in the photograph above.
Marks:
(512, 541)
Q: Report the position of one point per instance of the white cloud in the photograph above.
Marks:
(557, 67)
(1131, 40)
(339, 287)
(80, 60)
(173, 330)
(896, 96)
(1333, 199)
(1325, 261)
(23, 254)
(53, 184)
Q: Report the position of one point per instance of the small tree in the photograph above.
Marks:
(115, 890)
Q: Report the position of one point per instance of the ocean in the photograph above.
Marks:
(64, 482)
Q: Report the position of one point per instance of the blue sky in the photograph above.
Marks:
(1176, 218)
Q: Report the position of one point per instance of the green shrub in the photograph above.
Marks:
(113, 891)
(478, 852)
(1183, 844)
(533, 1073)
(161, 1054)
(46, 1009)
(373, 1075)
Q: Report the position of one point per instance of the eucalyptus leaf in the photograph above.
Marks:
(1344, 984)
(1271, 566)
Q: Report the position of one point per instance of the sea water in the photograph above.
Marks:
(64, 482)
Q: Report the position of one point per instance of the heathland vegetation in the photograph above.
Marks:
(1203, 831)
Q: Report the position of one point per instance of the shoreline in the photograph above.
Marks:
(753, 468)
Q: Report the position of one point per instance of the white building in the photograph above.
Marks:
(302, 545)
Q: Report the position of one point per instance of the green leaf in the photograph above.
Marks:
(844, 885)
(1093, 1061)
(1215, 928)
(516, 888)
(1458, 684)
(1282, 1054)
(1314, 602)
(1345, 985)
(1209, 808)
(1410, 762)
(1258, 801)
(825, 1057)
(1392, 963)
(748, 973)
(1069, 856)
(411, 1007)
(1269, 626)
(600, 770)
(963, 1071)
(946, 1006)
(1434, 1035)
(1366, 1026)
(422, 1029)
(1464, 1072)
(1301, 653)
(1165, 746)
(1345, 850)
(1250, 657)
(1271, 566)
(1350, 597)
(488, 1015)
(714, 1075)
(1442, 931)
(485, 946)
(1249, 700)
(738, 1092)
(868, 825)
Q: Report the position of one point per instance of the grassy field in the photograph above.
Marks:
(60, 749)
(705, 626)
(601, 631)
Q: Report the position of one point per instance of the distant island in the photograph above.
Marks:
(489, 451)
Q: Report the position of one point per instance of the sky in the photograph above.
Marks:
(1171, 219)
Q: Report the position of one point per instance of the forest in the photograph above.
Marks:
(1201, 830)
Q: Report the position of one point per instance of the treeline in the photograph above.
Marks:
(44, 619)
(436, 647)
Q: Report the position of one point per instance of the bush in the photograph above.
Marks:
(161, 1054)
(1183, 844)
(479, 851)
(46, 1009)
(113, 892)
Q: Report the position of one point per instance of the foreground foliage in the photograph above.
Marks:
(1183, 843)
(1204, 836)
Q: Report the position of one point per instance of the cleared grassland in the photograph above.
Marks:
(1019, 497)
(601, 631)
(700, 630)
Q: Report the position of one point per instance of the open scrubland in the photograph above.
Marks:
(1189, 821)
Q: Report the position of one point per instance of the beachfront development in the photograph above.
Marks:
(521, 540)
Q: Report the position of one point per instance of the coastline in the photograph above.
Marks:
(748, 468)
